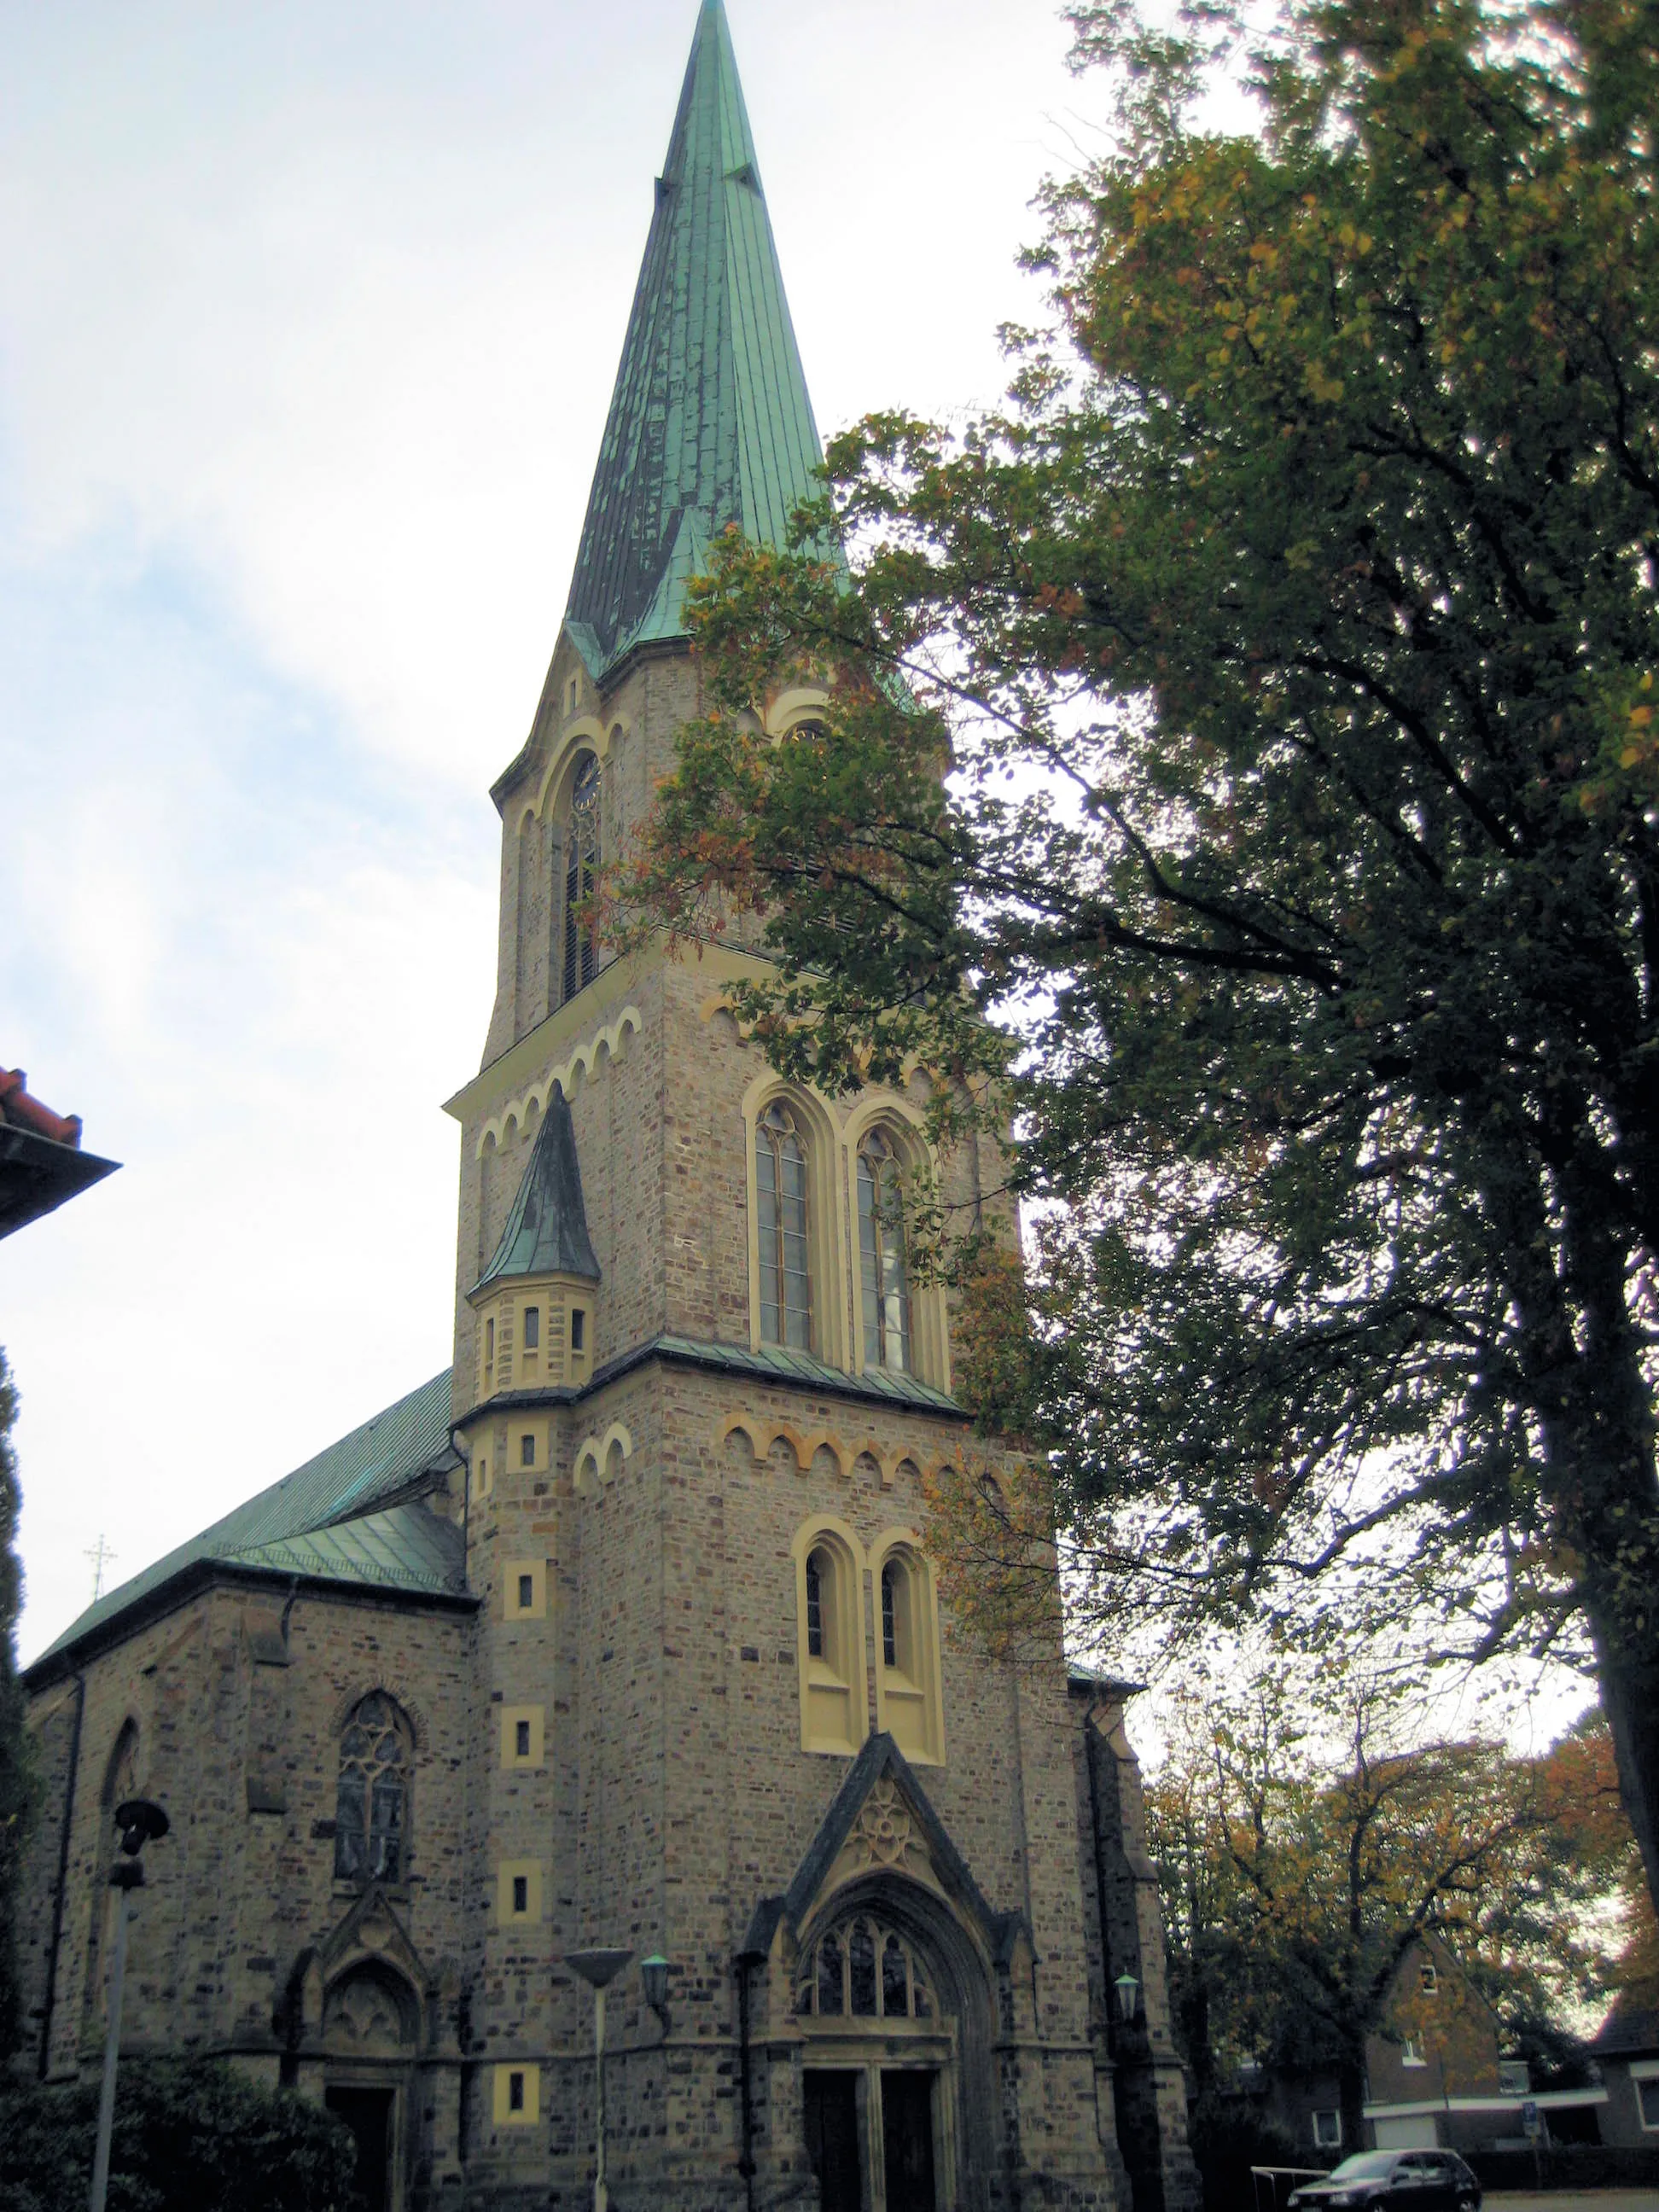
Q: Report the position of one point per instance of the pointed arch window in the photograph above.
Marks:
(371, 1804)
(785, 1287)
(907, 1679)
(885, 1281)
(581, 872)
(864, 1970)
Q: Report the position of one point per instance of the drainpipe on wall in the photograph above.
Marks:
(746, 2079)
(47, 2009)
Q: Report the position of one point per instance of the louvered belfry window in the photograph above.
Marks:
(581, 870)
(884, 1278)
(781, 1189)
(371, 1807)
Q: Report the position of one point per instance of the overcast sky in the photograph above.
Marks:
(308, 319)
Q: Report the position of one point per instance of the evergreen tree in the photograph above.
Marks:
(1291, 639)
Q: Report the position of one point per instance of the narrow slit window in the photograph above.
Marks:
(533, 1329)
(579, 1328)
(889, 1615)
(526, 1592)
(527, 1449)
(785, 1271)
(815, 1606)
(521, 1892)
(515, 2092)
(521, 1739)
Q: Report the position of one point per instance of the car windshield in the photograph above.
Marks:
(1365, 2165)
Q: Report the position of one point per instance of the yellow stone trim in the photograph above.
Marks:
(593, 1455)
(531, 2078)
(534, 1719)
(763, 1432)
(908, 1705)
(510, 1871)
(609, 1042)
(834, 1707)
(513, 1573)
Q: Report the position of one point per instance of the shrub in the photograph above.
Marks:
(190, 2136)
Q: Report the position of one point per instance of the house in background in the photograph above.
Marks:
(1436, 2074)
(41, 1162)
(1626, 2049)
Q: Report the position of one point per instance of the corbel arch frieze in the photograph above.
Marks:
(593, 1457)
(607, 1043)
(763, 1432)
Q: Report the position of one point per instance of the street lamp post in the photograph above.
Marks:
(598, 1969)
(140, 1822)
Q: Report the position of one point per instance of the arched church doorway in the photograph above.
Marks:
(371, 2027)
(893, 2001)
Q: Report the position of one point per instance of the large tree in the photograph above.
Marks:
(1289, 638)
(1299, 1889)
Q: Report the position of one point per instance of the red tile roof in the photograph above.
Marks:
(25, 1113)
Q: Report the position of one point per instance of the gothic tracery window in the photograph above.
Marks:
(371, 1805)
(884, 1278)
(581, 870)
(861, 1969)
(786, 1300)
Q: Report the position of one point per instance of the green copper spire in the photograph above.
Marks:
(710, 422)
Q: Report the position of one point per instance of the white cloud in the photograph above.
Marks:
(309, 322)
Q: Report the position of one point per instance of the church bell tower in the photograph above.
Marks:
(724, 1721)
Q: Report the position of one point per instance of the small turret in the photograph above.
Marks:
(535, 1301)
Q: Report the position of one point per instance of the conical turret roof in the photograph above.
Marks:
(710, 422)
(546, 1232)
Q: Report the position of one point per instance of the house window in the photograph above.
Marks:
(1647, 2100)
(526, 1592)
(581, 869)
(371, 1802)
(1513, 2080)
(532, 1328)
(780, 1193)
(884, 1278)
(1410, 2052)
(1428, 1978)
(1328, 2130)
(834, 1710)
(527, 1449)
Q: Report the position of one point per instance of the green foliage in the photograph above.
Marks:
(1229, 2136)
(188, 2134)
(1298, 1887)
(1291, 638)
(17, 1785)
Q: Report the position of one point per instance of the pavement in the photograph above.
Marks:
(1572, 2200)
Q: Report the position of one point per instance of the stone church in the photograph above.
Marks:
(624, 1632)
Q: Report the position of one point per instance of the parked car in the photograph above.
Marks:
(1410, 2181)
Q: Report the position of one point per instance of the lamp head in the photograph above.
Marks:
(598, 1969)
(653, 1972)
(1128, 1989)
(141, 1822)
